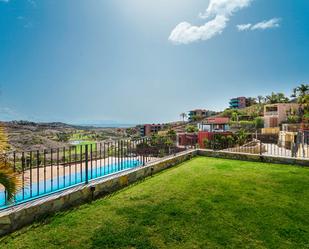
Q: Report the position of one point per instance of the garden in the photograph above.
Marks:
(203, 203)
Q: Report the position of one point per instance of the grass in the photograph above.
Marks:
(204, 203)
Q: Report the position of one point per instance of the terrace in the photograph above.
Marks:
(60, 178)
(202, 203)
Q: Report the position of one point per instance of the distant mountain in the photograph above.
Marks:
(105, 124)
(109, 125)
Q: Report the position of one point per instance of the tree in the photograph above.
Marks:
(302, 94)
(63, 137)
(275, 98)
(260, 99)
(241, 136)
(271, 99)
(191, 128)
(8, 178)
(172, 135)
(250, 101)
(259, 123)
(300, 91)
(235, 116)
(196, 118)
(183, 116)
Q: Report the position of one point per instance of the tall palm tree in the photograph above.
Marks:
(8, 178)
(251, 101)
(275, 98)
(282, 98)
(272, 99)
(301, 92)
(183, 116)
(235, 116)
(260, 99)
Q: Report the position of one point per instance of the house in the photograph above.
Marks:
(149, 129)
(288, 134)
(211, 127)
(276, 114)
(187, 139)
(200, 113)
(215, 124)
(238, 103)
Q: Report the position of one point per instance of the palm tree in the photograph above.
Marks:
(235, 116)
(272, 99)
(275, 98)
(183, 116)
(301, 93)
(251, 101)
(8, 178)
(282, 98)
(260, 99)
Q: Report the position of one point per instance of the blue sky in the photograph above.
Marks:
(136, 61)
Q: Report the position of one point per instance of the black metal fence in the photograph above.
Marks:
(45, 172)
(285, 145)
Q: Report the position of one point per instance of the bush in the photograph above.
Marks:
(63, 137)
(259, 123)
(191, 128)
(207, 143)
(293, 119)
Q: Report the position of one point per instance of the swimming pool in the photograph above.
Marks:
(57, 183)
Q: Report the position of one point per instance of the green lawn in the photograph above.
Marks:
(204, 203)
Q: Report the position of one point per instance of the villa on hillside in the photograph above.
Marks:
(291, 136)
(212, 126)
(238, 103)
(149, 129)
(201, 113)
(276, 114)
(215, 124)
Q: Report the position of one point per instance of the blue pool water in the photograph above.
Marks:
(55, 184)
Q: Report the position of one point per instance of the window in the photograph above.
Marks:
(271, 108)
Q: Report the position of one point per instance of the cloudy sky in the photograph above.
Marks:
(136, 61)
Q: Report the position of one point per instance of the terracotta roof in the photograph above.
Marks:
(217, 120)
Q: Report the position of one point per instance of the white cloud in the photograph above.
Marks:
(224, 7)
(219, 10)
(272, 23)
(243, 27)
(185, 33)
(267, 24)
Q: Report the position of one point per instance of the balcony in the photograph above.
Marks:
(271, 113)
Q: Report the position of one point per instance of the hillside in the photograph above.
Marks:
(25, 135)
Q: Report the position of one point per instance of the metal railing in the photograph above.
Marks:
(262, 144)
(48, 171)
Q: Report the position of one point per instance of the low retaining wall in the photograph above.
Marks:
(253, 158)
(16, 217)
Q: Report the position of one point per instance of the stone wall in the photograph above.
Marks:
(253, 158)
(16, 217)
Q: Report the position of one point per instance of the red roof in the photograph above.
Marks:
(218, 120)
